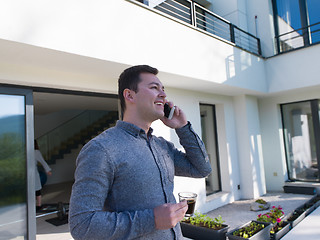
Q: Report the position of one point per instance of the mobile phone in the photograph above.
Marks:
(168, 111)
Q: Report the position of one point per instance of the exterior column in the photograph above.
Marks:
(251, 167)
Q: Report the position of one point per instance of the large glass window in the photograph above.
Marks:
(313, 7)
(297, 23)
(13, 207)
(299, 123)
(209, 137)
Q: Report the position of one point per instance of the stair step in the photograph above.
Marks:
(83, 136)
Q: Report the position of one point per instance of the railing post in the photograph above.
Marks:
(232, 36)
(193, 14)
(259, 46)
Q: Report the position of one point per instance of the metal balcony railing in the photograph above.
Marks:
(298, 38)
(192, 13)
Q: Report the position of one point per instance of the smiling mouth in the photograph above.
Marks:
(159, 103)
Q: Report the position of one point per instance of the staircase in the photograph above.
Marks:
(77, 131)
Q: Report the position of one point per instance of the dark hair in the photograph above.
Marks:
(36, 146)
(130, 79)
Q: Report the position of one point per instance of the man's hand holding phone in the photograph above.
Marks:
(173, 117)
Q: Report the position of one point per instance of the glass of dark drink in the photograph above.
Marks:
(191, 199)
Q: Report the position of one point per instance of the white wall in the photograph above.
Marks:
(234, 11)
(63, 170)
(294, 70)
(261, 25)
(249, 147)
(272, 135)
(117, 32)
(189, 101)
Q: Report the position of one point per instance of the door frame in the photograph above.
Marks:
(314, 107)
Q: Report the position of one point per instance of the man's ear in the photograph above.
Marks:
(128, 95)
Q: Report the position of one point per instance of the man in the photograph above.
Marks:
(124, 178)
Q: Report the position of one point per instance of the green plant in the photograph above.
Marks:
(278, 227)
(204, 221)
(249, 230)
(261, 201)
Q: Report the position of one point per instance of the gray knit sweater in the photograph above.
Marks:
(123, 174)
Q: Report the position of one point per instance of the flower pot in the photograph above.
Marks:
(255, 206)
(317, 202)
(203, 233)
(263, 234)
(279, 234)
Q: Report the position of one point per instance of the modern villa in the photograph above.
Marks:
(245, 72)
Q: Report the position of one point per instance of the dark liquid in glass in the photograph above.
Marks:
(191, 205)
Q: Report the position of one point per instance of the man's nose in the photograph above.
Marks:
(162, 94)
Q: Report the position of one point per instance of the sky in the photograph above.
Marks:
(11, 105)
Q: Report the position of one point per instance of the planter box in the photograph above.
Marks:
(281, 233)
(263, 234)
(317, 204)
(294, 222)
(310, 209)
(203, 233)
(315, 201)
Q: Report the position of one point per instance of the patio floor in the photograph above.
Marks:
(234, 214)
(238, 213)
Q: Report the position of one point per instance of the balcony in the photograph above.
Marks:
(202, 19)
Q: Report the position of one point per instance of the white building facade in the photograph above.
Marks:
(250, 89)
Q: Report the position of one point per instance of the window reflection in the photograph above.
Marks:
(12, 167)
(300, 141)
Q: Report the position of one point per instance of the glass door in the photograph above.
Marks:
(14, 164)
(300, 121)
(209, 138)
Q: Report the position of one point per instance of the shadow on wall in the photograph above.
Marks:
(245, 70)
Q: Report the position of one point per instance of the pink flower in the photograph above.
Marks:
(278, 220)
(268, 216)
(259, 215)
(273, 206)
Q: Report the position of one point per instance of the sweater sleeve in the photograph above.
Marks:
(195, 161)
(88, 218)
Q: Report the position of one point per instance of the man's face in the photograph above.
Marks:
(150, 97)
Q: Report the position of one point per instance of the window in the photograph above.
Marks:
(301, 136)
(209, 137)
(297, 23)
(13, 194)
